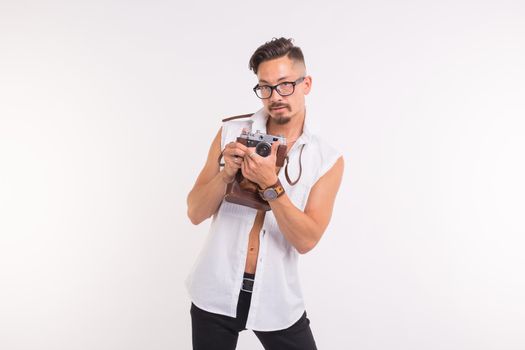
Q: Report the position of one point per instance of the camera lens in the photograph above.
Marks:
(263, 149)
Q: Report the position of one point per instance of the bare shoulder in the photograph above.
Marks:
(322, 195)
(334, 175)
(329, 183)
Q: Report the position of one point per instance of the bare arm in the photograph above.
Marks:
(209, 188)
(302, 229)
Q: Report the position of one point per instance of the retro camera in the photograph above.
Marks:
(263, 143)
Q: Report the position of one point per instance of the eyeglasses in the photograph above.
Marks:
(284, 89)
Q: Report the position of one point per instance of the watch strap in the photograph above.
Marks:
(277, 188)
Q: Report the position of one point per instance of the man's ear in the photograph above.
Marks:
(307, 84)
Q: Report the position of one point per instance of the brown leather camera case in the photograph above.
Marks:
(236, 194)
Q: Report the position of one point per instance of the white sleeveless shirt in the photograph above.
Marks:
(215, 281)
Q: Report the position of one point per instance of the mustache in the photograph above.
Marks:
(279, 105)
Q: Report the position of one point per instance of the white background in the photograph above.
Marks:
(107, 110)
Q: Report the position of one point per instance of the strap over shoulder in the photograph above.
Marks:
(237, 117)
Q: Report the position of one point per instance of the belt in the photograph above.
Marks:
(247, 284)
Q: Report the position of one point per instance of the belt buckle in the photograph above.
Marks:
(247, 284)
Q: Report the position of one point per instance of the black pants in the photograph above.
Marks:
(218, 332)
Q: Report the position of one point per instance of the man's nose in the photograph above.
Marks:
(275, 96)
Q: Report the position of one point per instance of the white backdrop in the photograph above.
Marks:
(107, 110)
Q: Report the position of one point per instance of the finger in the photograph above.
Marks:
(234, 152)
(248, 155)
(252, 165)
(239, 160)
(232, 169)
(233, 161)
(241, 147)
(238, 152)
(249, 164)
(244, 169)
(275, 146)
(235, 145)
(250, 159)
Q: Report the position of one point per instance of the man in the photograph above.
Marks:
(246, 276)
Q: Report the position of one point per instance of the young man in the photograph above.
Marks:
(246, 276)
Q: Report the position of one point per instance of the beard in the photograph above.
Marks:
(279, 118)
(282, 120)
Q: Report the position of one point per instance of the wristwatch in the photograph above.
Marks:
(272, 192)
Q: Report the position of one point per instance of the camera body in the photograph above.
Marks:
(263, 144)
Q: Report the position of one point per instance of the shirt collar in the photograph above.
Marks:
(260, 118)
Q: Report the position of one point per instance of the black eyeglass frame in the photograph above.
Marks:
(274, 87)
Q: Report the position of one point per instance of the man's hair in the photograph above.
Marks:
(276, 48)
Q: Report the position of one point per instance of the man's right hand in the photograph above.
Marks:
(233, 155)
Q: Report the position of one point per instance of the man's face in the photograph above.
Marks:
(283, 108)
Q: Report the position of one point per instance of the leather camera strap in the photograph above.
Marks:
(300, 168)
(220, 158)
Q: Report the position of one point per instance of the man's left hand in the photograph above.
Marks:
(260, 170)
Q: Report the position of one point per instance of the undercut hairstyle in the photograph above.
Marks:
(276, 48)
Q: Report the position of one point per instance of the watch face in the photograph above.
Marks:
(270, 194)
